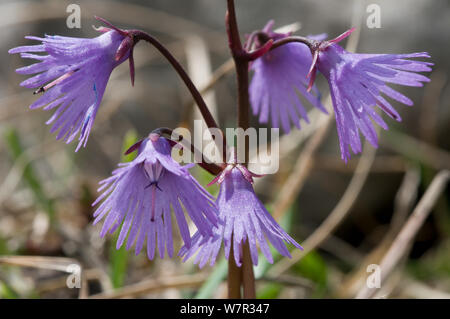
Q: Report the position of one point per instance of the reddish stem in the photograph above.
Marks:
(234, 277)
(212, 168)
(241, 60)
(248, 276)
(207, 116)
(309, 42)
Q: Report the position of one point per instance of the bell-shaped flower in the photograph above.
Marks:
(140, 196)
(358, 84)
(279, 76)
(72, 74)
(242, 219)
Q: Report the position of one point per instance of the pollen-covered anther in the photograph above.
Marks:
(53, 83)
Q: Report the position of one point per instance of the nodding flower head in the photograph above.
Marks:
(72, 76)
(357, 85)
(316, 48)
(278, 75)
(125, 49)
(140, 194)
(242, 219)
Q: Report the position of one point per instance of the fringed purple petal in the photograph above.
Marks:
(272, 89)
(242, 218)
(139, 198)
(73, 74)
(357, 82)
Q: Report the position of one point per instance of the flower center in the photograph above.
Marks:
(153, 171)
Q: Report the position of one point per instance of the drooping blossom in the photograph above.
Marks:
(139, 197)
(72, 75)
(357, 85)
(242, 218)
(279, 76)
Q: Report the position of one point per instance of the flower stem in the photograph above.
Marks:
(234, 276)
(248, 277)
(309, 42)
(206, 114)
(206, 164)
(241, 60)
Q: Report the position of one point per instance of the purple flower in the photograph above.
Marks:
(72, 77)
(242, 218)
(357, 82)
(277, 76)
(140, 194)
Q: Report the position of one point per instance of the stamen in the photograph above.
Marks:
(55, 82)
(153, 171)
(152, 215)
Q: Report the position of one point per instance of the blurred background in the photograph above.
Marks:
(46, 188)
